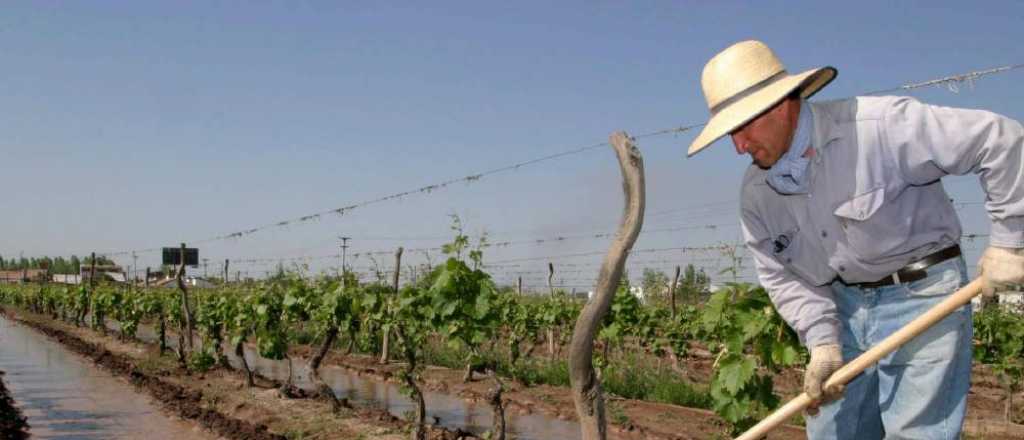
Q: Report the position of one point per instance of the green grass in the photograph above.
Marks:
(626, 377)
(616, 414)
(541, 372)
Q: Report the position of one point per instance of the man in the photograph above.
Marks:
(854, 236)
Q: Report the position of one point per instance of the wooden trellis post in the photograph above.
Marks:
(586, 387)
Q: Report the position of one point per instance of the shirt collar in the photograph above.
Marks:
(825, 129)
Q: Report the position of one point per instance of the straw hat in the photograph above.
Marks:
(743, 81)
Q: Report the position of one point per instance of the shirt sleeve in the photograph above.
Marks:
(810, 310)
(931, 141)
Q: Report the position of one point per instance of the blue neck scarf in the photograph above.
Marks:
(789, 175)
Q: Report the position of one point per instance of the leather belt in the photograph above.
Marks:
(914, 271)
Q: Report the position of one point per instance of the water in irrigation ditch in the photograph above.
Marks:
(450, 412)
(66, 397)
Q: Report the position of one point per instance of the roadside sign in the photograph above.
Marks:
(172, 256)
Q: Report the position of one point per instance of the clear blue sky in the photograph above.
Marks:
(132, 125)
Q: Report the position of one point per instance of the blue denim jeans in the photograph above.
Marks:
(918, 391)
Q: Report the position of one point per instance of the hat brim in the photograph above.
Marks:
(750, 107)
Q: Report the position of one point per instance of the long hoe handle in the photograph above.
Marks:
(868, 358)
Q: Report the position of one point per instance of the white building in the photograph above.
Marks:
(171, 282)
(1013, 299)
(638, 292)
(67, 278)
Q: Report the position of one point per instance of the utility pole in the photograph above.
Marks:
(135, 265)
(344, 247)
(551, 274)
(204, 266)
(185, 307)
(92, 271)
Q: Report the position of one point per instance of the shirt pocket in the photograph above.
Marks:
(791, 250)
(870, 233)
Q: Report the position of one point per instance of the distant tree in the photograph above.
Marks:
(655, 285)
(76, 264)
(693, 286)
(60, 265)
(55, 265)
(350, 278)
(100, 261)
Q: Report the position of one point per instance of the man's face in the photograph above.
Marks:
(767, 137)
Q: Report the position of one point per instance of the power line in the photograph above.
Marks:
(371, 253)
(730, 204)
(309, 258)
(634, 251)
(566, 237)
(495, 245)
(950, 81)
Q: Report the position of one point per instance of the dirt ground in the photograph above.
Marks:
(664, 421)
(224, 391)
(985, 400)
(639, 419)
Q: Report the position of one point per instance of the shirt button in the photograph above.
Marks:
(842, 268)
(789, 260)
(824, 234)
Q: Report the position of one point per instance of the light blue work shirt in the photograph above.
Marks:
(875, 202)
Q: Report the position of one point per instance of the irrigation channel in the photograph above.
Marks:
(448, 411)
(64, 396)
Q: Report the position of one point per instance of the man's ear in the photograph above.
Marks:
(793, 102)
(793, 108)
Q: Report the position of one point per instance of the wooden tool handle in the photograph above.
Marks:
(845, 374)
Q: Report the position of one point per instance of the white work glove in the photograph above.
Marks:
(825, 360)
(1001, 267)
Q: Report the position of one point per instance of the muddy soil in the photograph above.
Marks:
(184, 402)
(628, 419)
(642, 419)
(219, 399)
(546, 408)
(12, 423)
(65, 396)
(985, 400)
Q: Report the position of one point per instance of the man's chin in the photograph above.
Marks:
(763, 164)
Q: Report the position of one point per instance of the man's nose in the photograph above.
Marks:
(740, 141)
